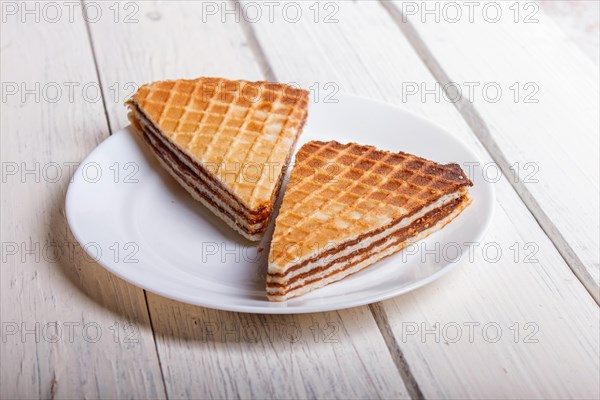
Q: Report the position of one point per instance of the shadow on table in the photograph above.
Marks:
(196, 326)
(98, 284)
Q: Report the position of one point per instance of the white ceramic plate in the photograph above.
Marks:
(134, 219)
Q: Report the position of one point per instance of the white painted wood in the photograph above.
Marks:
(580, 21)
(175, 43)
(168, 41)
(92, 353)
(213, 354)
(365, 53)
(557, 131)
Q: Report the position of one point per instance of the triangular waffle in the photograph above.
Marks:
(347, 206)
(226, 142)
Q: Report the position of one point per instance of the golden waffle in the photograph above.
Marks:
(227, 142)
(347, 205)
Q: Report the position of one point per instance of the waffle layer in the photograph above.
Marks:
(198, 175)
(358, 263)
(325, 256)
(186, 178)
(231, 141)
(347, 201)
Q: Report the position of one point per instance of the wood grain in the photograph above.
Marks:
(580, 21)
(70, 329)
(213, 354)
(551, 137)
(404, 347)
(365, 53)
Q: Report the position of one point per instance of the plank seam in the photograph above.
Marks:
(477, 125)
(255, 47)
(91, 41)
(160, 366)
(378, 314)
(400, 361)
(110, 131)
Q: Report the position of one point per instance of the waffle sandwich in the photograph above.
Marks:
(348, 206)
(228, 143)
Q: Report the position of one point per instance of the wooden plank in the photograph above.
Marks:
(212, 354)
(551, 90)
(579, 20)
(69, 328)
(365, 53)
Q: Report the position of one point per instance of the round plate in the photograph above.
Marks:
(134, 219)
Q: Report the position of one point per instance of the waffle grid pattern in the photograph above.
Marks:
(362, 189)
(242, 132)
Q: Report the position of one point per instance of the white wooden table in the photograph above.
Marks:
(520, 324)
